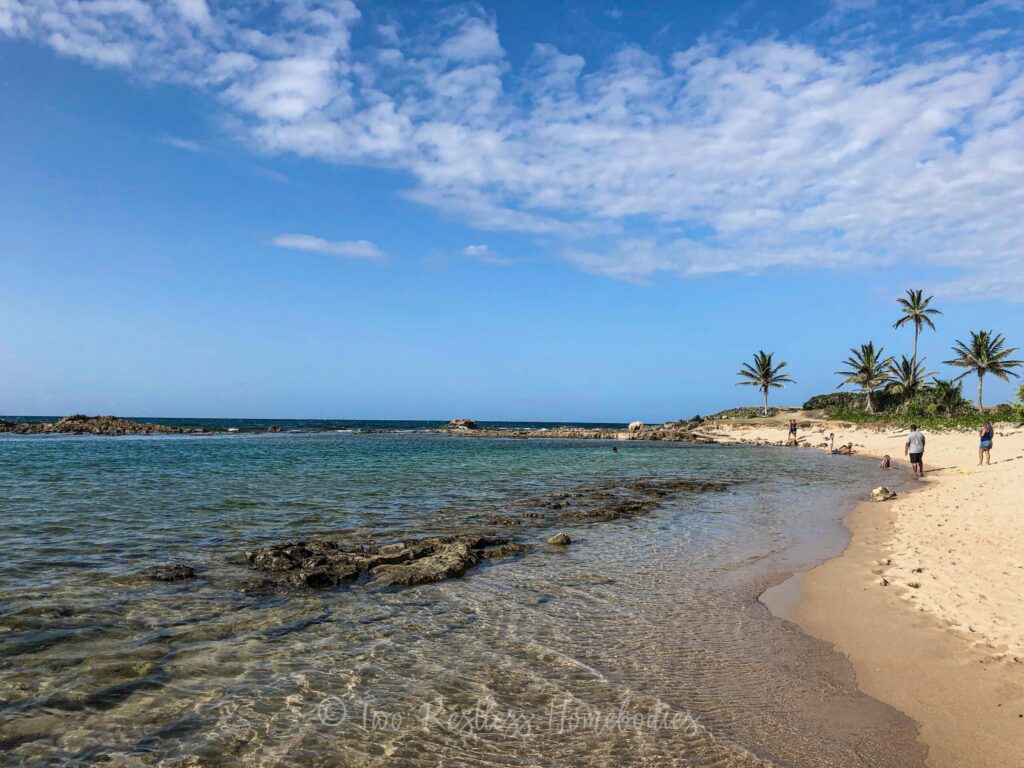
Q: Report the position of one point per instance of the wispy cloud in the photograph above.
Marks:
(486, 255)
(187, 145)
(349, 249)
(734, 154)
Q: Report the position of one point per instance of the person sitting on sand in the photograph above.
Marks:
(845, 450)
(915, 449)
(985, 447)
(886, 463)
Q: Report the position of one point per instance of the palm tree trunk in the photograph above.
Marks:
(766, 401)
(981, 377)
(871, 402)
(917, 330)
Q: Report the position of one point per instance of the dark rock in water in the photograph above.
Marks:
(620, 498)
(461, 424)
(324, 564)
(502, 551)
(560, 540)
(274, 428)
(176, 572)
(80, 424)
(503, 520)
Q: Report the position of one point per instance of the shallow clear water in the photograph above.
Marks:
(641, 644)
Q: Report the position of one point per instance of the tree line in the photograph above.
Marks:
(984, 354)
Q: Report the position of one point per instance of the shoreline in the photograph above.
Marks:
(920, 634)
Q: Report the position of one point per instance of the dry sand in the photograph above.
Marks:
(928, 599)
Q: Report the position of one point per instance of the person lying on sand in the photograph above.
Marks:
(844, 450)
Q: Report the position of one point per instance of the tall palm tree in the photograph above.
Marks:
(916, 311)
(764, 374)
(948, 394)
(907, 377)
(867, 368)
(986, 353)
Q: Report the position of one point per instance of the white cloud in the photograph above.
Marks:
(475, 40)
(349, 249)
(731, 155)
(195, 11)
(187, 145)
(486, 255)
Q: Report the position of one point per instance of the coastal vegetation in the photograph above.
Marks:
(917, 313)
(904, 390)
(867, 368)
(764, 374)
(985, 353)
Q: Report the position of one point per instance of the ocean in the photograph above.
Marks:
(642, 643)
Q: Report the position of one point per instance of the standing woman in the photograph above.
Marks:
(985, 446)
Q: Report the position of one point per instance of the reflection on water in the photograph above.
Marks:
(641, 644)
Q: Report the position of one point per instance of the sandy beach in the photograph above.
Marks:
(928, 599)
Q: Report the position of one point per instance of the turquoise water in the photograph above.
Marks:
(515, 663)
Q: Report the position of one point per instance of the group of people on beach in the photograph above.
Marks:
(913, 448)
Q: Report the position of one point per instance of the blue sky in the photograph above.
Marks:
(516, 210)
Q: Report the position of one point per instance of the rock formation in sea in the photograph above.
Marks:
(80, 424)
(682, 432)
(322, 564)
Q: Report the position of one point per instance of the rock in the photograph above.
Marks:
(881, 493)
(80, 424)
(667, 433)
(635, 426)
(560, 540)
(461, 424)
(325, 564)
(274, 428)
(503, 520)
(175, 572)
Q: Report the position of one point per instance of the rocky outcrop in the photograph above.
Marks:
(672, 432)
(560, 540)
(461, 424)
(80, 424)
(635, 426)
(325, 564)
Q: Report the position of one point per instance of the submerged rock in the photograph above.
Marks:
(174, 572)
(325, 564)
(560, 540)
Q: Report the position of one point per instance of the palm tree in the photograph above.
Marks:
(868, 369)
(948, 394)
(907, 377)
(764, 374)
(986, 353)
(916, 311)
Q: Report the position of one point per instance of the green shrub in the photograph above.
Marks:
(835, 400)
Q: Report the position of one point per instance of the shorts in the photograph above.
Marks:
(915, 458)
(986, 445)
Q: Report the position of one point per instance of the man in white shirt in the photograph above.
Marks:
(915, 449)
